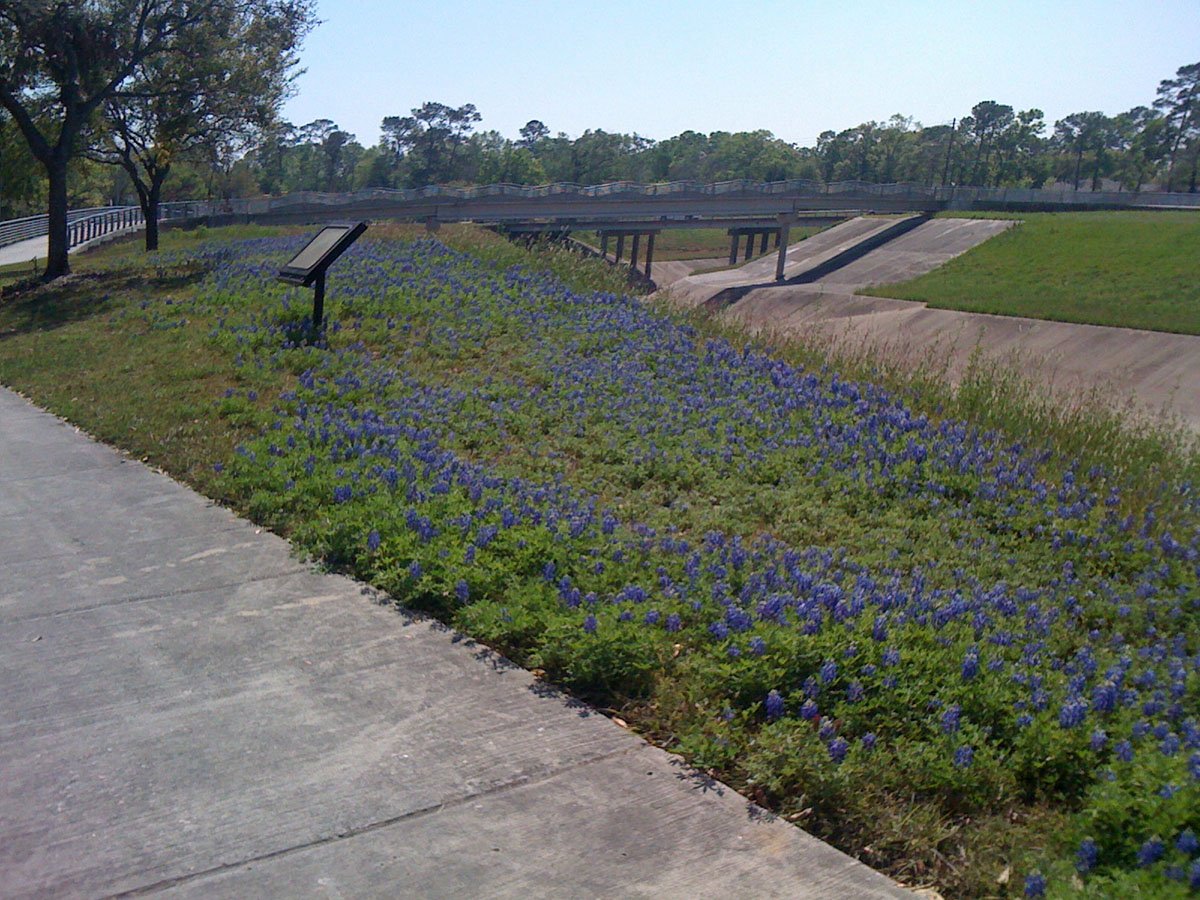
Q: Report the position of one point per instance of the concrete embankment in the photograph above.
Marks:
(1154, 372)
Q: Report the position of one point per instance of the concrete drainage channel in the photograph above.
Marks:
(1158, 372)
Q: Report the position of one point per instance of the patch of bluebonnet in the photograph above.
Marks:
(1100, 642)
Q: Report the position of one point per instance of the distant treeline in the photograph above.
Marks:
(1155, 146)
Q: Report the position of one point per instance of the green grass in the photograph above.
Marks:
(1125, 269)
(133, 350)
(16, 273)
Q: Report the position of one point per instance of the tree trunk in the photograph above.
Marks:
(151, 213)
(150, 208)
(1078, 164)
(57, 263)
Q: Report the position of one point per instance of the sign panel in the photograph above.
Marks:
(316, 256)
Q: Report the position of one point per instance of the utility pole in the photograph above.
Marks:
(949, 150)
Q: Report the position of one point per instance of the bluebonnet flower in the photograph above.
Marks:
(1086, 856)
(837, 749)
(373, 540)
(950, 719)
(1073, 712)
(1187, 843)
(964, 756)
(774, 705)
(1035, 885)
(869, 741)
(589, 624)
(1150, 852)
(970, 664)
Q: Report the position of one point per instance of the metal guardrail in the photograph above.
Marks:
(97, 225)
(84, 225)
(101, 220)
(15, 230)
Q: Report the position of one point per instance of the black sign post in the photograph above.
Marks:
(307, 268)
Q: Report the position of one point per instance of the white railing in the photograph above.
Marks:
(84, 225)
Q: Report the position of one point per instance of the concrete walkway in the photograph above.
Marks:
(186, 709)
(26, 251)
(39, 247)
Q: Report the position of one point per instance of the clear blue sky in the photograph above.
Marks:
(794, 68)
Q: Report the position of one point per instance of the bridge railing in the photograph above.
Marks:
(15, 230)
(84, 225)
(798, 187)
(35, 226)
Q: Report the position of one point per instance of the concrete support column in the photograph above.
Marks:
(749, 247)
(781, 241)
(604, 244)
(633, 255)
(620, 246)
(776, 245)
(649, 253)
(762, 244)
(733, 246)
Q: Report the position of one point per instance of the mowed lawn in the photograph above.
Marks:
(1128, 269)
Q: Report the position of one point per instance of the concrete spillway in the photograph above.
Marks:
(1154, 372)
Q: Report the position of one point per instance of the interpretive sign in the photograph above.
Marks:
(307, 268)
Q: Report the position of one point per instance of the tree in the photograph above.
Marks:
(429, 141)
(1078, 133)
(1018, 146)
(61, 61)
(989, 120)
(225, 81)
(1179, 100)
(511, 164)
(533, 133)
(22, 189)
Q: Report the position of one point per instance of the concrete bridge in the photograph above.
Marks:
(749, 210)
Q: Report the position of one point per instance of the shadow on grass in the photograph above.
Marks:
(31, 306)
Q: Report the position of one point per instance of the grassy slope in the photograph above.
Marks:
(1128, 269)
(130, 374)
